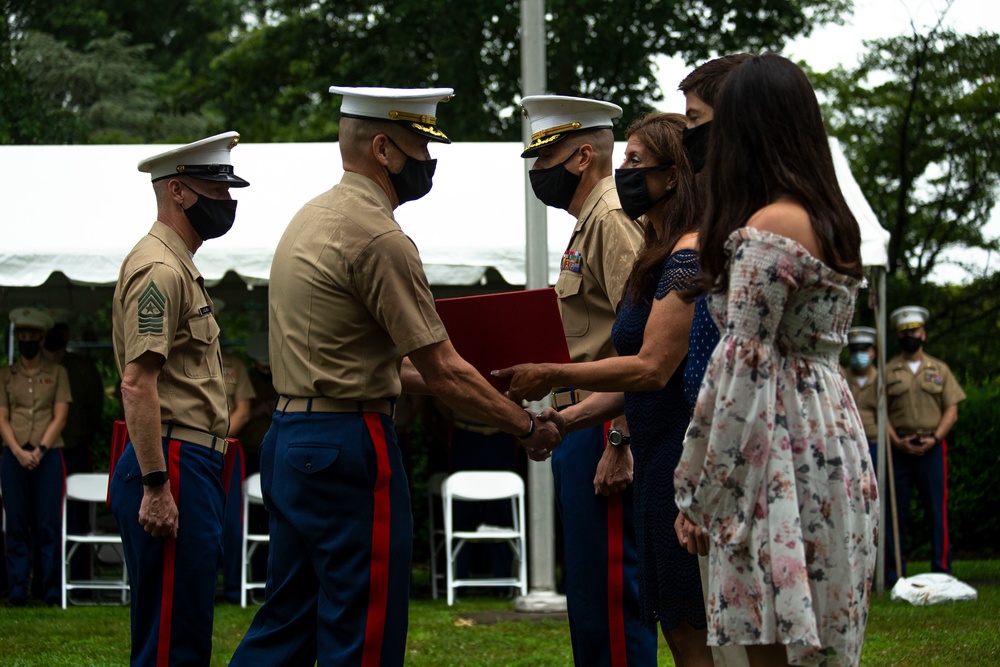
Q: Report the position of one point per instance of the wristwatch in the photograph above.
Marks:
(617, 437)
(155, 478)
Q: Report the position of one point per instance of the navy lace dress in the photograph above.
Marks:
(669, 580)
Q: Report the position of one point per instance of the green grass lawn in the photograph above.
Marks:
(964, 634)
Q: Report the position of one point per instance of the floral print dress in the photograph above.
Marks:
(775, 465)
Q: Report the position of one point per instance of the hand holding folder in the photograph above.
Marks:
(501, 330)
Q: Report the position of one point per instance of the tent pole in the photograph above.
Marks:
(542, 596)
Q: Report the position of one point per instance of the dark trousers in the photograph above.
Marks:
(602, 589)
(172, 581)
(33, 500)
(929, 474)
(338, 571)
(232, 529)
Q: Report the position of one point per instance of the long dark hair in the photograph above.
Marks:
(768, 141)
(660, 134)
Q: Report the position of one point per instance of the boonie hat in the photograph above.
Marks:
(413, 108)
(31, 318)
(908, 317)
(861, 336)
(207, 159)
(554, 117)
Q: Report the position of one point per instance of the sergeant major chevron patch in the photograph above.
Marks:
(151, 308)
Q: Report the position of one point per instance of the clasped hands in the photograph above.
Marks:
(917, 444)
(29, 460)
(547, 435)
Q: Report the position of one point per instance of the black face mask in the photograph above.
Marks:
(415, 179)
(54, 341)
(29, 349)
(633, 191)
(695, 140)
(556, 185)
(211, 218)
(910, 344)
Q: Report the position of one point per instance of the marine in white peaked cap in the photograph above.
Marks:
(554, 117)
(166, 344)
(348, 299)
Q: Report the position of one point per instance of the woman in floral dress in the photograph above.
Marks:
(775, 468)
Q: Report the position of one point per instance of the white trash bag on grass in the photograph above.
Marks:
(932, 588)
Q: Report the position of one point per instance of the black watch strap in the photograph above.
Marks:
(617, 437)
(155, 478)
(531, 428)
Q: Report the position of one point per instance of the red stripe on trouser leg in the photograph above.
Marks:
(616, 585)
(378, 591)
(944, 506)
(169, 557)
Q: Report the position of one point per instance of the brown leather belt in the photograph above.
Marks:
(194, 436)
(563, 398)
(326, 404)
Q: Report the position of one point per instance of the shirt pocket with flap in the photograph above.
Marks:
(201, 357)
(573, 305)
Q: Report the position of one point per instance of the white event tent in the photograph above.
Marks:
(77, 210)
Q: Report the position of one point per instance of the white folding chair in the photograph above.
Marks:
(473, 486)
(251, 495)
(91, 488)
(436, 532)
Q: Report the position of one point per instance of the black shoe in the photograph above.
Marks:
(17, 602)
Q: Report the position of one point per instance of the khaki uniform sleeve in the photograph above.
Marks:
(391, 282)
(63, 394)
(152, 304)
(952, 392)
(621, 239)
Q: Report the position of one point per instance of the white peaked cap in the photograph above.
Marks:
(414, 108)
(207, 159)
(553, 117)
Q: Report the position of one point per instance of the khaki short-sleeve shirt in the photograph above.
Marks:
(917, 401)
(238, 385)
(160, 305)
(866, 398)
(30, 399)
(594, 270)
(348, 297)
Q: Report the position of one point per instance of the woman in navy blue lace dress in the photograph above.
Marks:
(646, 380)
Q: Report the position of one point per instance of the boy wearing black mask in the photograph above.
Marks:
(922, 398)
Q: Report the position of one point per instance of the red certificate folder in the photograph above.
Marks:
(495, 331)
